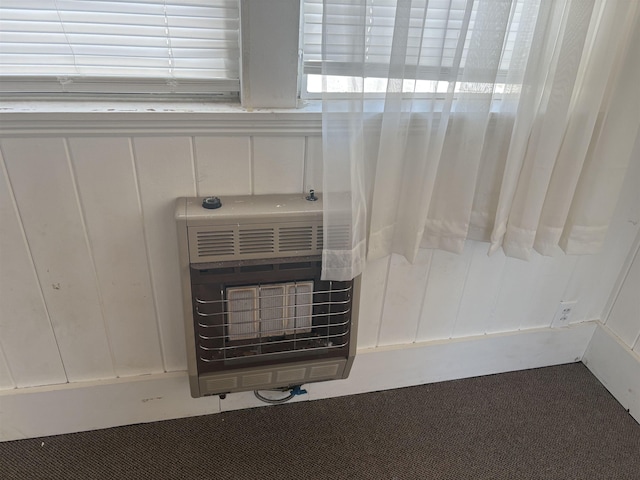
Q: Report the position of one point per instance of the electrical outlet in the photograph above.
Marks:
(563, 314)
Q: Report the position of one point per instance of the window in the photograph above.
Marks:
(191, 47)
(120, 46)
(437, 43)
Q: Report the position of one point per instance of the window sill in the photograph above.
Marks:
(27, 118)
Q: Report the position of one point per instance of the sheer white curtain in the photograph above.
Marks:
(510, 121)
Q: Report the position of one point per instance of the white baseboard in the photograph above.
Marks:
(76, 407)
(58, 409)
(421, 363)
(617, 367)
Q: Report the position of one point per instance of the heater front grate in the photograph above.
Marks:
(289, 314)
(265, 320)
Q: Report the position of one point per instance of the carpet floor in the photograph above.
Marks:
(549, 423)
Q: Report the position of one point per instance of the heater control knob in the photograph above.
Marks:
(211, 203)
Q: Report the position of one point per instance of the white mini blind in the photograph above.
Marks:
(136, 46)
(359, 36)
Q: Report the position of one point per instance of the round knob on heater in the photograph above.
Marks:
(211, 203)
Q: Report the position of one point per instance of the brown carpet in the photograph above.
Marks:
(550, 423)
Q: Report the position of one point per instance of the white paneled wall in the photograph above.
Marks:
(622, 311)
(6, 381)
(278, 164)
(26, 334)
(108, 192)
(624, 320)
(165, 171)
(447, 296)
(90, 283)
(44, 189)
(402, 306)
(222, 164)
(90, 279)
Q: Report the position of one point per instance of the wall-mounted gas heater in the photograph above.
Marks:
(257, 315)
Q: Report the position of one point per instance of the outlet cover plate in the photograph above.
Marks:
(563, 314)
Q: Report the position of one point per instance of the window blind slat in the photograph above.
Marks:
(173, 39)
(432, 38)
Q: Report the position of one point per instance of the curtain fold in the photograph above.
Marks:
(508, 121)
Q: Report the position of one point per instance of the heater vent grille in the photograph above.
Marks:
(319, 238)
(296, 238)
(339, 237)
(256, 240)
(215, 243)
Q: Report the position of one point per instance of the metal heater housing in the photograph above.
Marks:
(257, 315)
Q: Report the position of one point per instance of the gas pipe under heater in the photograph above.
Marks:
(257, 315)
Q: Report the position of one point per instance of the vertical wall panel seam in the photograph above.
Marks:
(424, 296)
(538, 270)
(384, 298)
(6, 362)
(4, 356)
(636, 342)
(251, 166)
(464, 287)
(194, 171)
(33, 267)
(194, 162)
(622, 277)
(570, 279)
(496, 297)
(154, 296)
(85, 230)
(566, 285)
(305, 159)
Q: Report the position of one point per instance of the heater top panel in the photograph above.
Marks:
(247, 209)
(251, 227)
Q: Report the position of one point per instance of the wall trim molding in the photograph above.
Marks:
(159, 120)
(54, 119)
(617, 367)
(58, 409)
